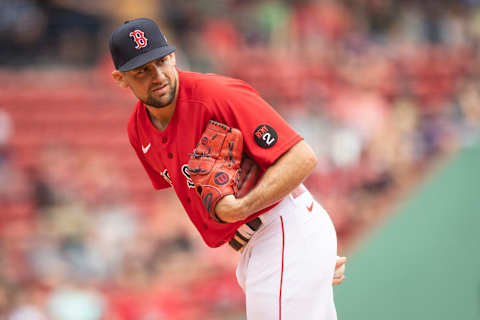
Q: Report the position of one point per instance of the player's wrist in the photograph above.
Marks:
(230, 209)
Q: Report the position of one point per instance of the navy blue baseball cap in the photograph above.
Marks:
(136, 43)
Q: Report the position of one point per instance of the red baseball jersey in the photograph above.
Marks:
(202, 97)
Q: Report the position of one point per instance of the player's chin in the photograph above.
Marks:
(159, 102)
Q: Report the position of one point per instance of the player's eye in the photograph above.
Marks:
(140, 70)
(163, 60)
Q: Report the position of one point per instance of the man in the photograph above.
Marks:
(286, 239)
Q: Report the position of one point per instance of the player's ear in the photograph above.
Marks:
(119, 78)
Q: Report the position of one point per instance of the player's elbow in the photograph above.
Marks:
(311, 159)
(306, 156)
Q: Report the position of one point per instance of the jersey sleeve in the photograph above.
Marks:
(266, 134)
(157, 180)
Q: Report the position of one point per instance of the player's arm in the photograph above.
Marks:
(278, 181)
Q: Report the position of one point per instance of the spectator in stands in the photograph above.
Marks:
(75, 301)
(30, 303)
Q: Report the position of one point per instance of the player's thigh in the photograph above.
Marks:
(263, 275)
(307, 291)
(291, 268)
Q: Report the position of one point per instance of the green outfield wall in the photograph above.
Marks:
(424, 262)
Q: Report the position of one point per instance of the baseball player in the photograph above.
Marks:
(192, 132)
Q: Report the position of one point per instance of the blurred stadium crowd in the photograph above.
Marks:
(381, 89)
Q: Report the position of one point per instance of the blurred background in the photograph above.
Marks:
(386, 92)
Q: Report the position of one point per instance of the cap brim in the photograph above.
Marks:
(147, 57)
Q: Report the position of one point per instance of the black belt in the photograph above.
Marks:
(240, 239)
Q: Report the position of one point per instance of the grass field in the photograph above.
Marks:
(424, 262)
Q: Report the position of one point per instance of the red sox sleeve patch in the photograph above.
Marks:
(265, 136)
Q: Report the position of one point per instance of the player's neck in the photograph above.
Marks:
(160, 118)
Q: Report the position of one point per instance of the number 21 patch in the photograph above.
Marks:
(265, 136)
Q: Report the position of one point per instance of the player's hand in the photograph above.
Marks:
(339, 275)
(229, 209)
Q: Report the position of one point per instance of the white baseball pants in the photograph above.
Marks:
(287, 267)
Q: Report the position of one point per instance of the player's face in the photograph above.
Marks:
(154, 83)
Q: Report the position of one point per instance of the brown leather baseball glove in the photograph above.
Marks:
(215, 166)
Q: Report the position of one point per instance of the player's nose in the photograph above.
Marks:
(158, 74)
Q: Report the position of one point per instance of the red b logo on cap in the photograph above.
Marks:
(139, 38)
